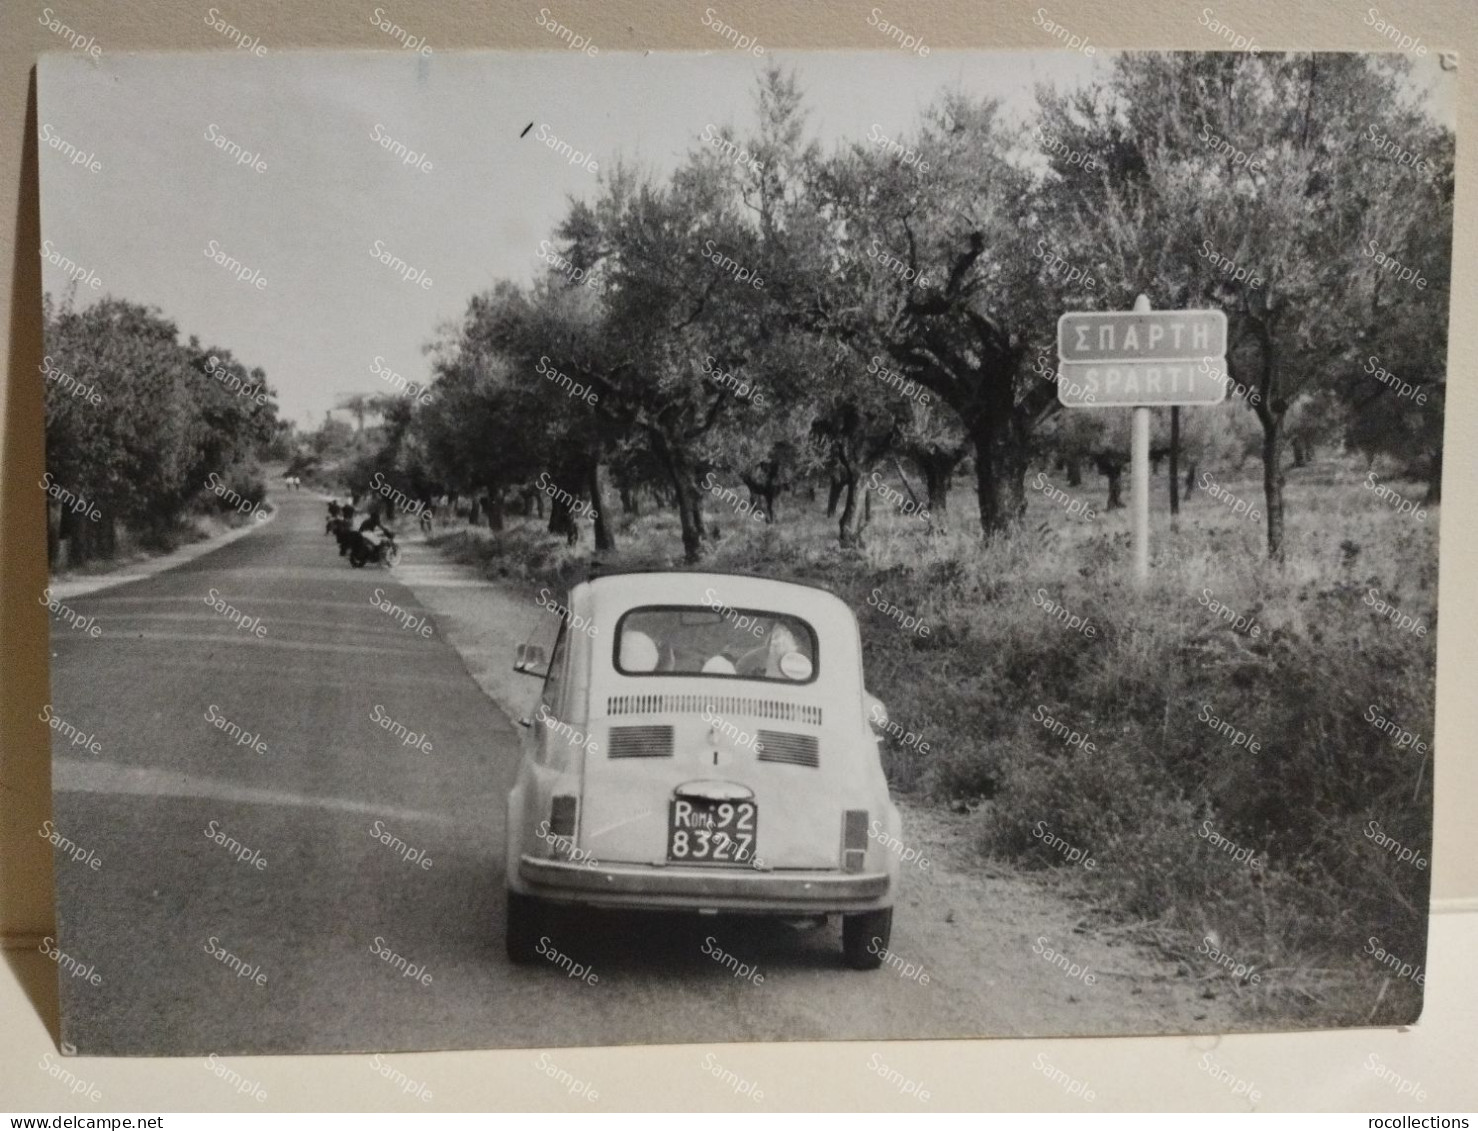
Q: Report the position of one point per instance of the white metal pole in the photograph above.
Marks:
(1140, 463)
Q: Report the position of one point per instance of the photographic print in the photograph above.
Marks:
(591, 548)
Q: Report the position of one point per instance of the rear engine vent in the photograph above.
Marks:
(641, 742)
(729, 706)
(795, 749)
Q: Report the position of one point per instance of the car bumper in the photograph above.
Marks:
(704, 889)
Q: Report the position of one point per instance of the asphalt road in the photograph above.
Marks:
(313, 923)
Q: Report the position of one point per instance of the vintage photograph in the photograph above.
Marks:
(592, 548)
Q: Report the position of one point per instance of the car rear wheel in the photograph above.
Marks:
(524, 924)
(865, 936)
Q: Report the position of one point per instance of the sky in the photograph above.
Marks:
(304, 212)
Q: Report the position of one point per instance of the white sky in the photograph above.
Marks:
(329, 190)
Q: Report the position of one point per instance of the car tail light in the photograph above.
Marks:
(854, 839)
(562, 815)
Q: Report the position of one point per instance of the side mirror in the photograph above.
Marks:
(529, 659)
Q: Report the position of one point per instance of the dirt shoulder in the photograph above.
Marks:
(984, 935)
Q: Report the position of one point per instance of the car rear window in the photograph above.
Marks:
(718, 641)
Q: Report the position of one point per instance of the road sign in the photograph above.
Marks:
(1142, 335)
(1148, 384)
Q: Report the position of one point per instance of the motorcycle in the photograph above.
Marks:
(382, 549)
(343, 530)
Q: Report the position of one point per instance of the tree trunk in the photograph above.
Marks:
(1272, 483)
(1074, 468)
(1300, 454)
(629, 503)
(856, 513)
(1115, 474)
(495, 508)
(1190, 479)
(686, 495)
(1000, 474)
(604, 539)
(834, 495)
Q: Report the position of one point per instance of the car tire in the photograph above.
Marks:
(523, 926)
(858, 933)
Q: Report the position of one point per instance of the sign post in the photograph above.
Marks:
(1141, 359)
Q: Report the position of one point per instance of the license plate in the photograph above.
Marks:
(710, 832)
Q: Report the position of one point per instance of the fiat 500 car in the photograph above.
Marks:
(704, 743)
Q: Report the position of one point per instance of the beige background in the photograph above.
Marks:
(1310, 1071)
